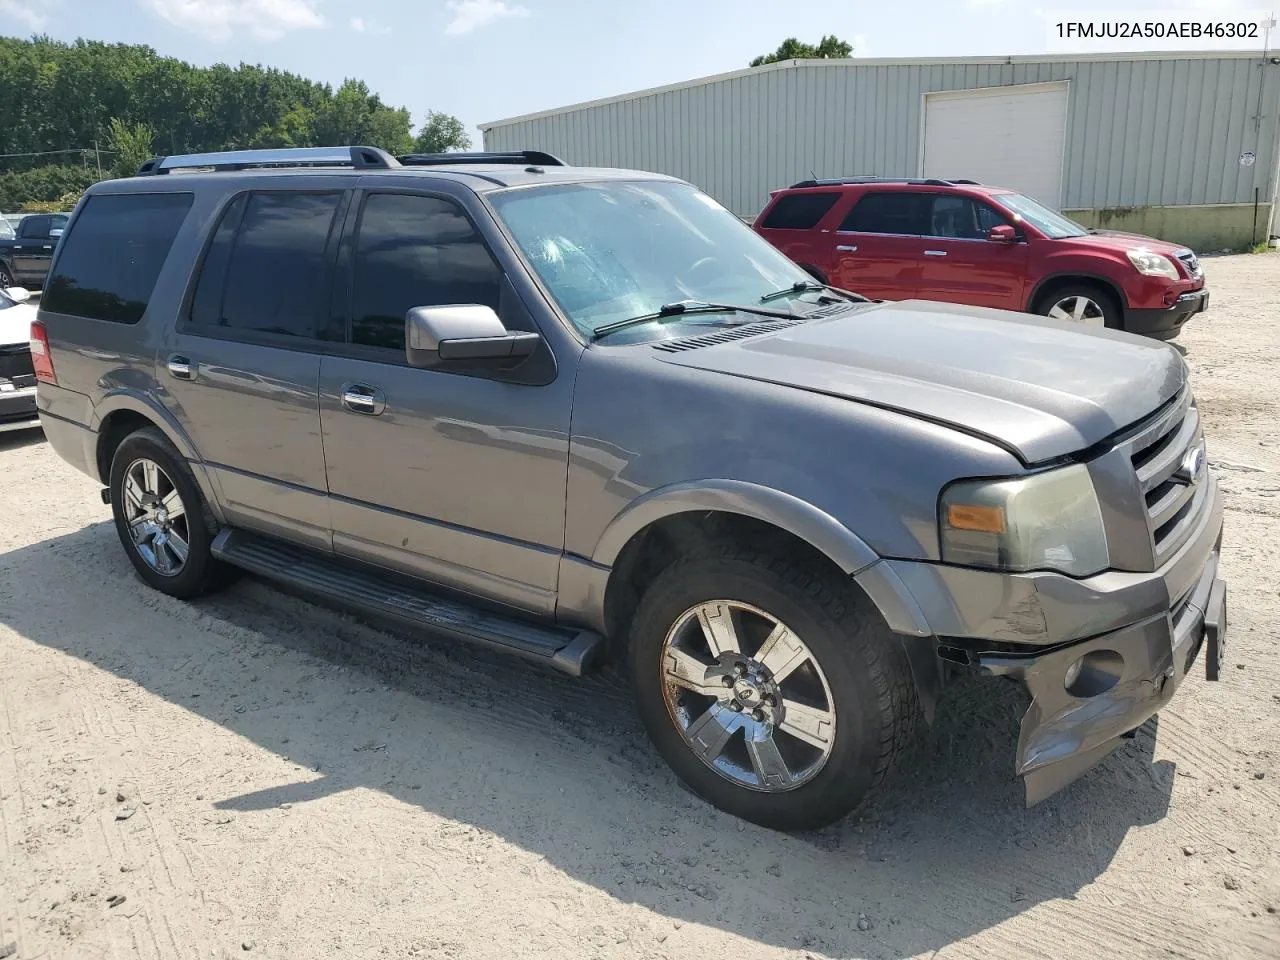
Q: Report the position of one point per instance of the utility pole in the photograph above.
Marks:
(98, 156)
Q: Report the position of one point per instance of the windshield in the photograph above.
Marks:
(1049, 222)
(611, 250)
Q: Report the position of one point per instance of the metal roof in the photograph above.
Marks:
(856, 62)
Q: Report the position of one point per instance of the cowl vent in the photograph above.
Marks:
(724, 336)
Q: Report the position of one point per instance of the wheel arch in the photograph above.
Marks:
(119, 414)
(675, 520)
(1068, 278)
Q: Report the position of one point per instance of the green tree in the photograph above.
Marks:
(354, 116)
(64, 97)
(131, 144)
(441, 133)
(828, 48)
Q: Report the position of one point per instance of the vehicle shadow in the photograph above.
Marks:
(560, 767)
(17, 439)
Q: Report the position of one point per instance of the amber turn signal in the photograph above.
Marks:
(982, 519)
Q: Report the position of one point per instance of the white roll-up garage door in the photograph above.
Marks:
(1003, 136)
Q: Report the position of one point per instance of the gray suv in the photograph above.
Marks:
(586, 415)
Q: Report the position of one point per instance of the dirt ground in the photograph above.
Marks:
(256, 776)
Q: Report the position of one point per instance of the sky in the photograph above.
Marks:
(487, 60)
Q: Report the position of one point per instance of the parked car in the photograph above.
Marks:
(956, 241)
(25, 257)
(583, 414)
(17, 375)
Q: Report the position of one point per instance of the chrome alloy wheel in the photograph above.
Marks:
(748, 695)
(157, 517)
(1077, 309)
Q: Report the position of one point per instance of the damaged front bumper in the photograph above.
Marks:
(1086, 696)
(1099, 656)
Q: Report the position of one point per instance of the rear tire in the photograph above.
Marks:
(1085, 303)
(837, 677)
(163, 521)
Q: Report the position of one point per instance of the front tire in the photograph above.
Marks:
(161, 518)
(768, 687)
(1083, 303)
(6, 278)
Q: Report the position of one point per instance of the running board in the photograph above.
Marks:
(571, 651)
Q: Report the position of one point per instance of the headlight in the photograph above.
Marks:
(1151, 264)
(1050, 520)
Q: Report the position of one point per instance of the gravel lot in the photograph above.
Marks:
(256, 776)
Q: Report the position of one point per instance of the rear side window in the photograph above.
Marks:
(884, 212)
(415, 252)
(799, 211)
(108, 265)
(267, 269)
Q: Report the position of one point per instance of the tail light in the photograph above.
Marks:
(41, 358)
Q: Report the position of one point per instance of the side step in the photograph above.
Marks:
(572, 651)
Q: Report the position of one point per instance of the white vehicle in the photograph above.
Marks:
(17, 375)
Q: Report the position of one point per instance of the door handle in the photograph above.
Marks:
(359, 398)
(50, 247)
(181, 368)
(846, 248)
(16, 247)
(935, 253)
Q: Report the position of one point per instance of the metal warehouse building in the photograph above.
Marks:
(1183, 146)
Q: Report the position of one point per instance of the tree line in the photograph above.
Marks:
(132, 103)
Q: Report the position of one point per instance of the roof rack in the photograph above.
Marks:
(359, 158)
(535, 158)
(913, 181)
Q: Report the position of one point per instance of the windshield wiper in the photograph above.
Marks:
(812, 286)
(685, 307)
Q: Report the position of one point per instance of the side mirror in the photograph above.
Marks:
(1003, 233)
(462, 334)
(18, 294)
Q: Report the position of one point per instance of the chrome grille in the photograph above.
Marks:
(1192, 263)
(1173, 479)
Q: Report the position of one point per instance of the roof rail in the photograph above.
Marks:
(915, 181)
(535, 158)
(360, 158)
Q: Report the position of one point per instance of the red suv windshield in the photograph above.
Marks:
(1052, 224)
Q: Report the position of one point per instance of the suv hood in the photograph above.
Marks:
(1118, 241)
(1037, 387)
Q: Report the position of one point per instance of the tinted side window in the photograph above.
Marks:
(988, 217)
(883, 212)
(799, 211)
(271, 275)
(415, 252)
(108, 264)
(35, 228)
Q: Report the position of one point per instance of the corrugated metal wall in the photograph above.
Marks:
(1141, 132)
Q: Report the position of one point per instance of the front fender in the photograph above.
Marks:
(774, 507)
(820, 530)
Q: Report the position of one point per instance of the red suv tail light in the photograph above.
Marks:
(41, 358)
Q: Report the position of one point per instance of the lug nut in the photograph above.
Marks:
(727, 681)
(757, 715)
(735, 706)
(739, 670)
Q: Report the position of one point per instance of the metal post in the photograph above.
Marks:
(98, 155)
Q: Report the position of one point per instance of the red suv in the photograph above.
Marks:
(960, 242)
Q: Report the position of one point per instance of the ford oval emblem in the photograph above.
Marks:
(1188, 471)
